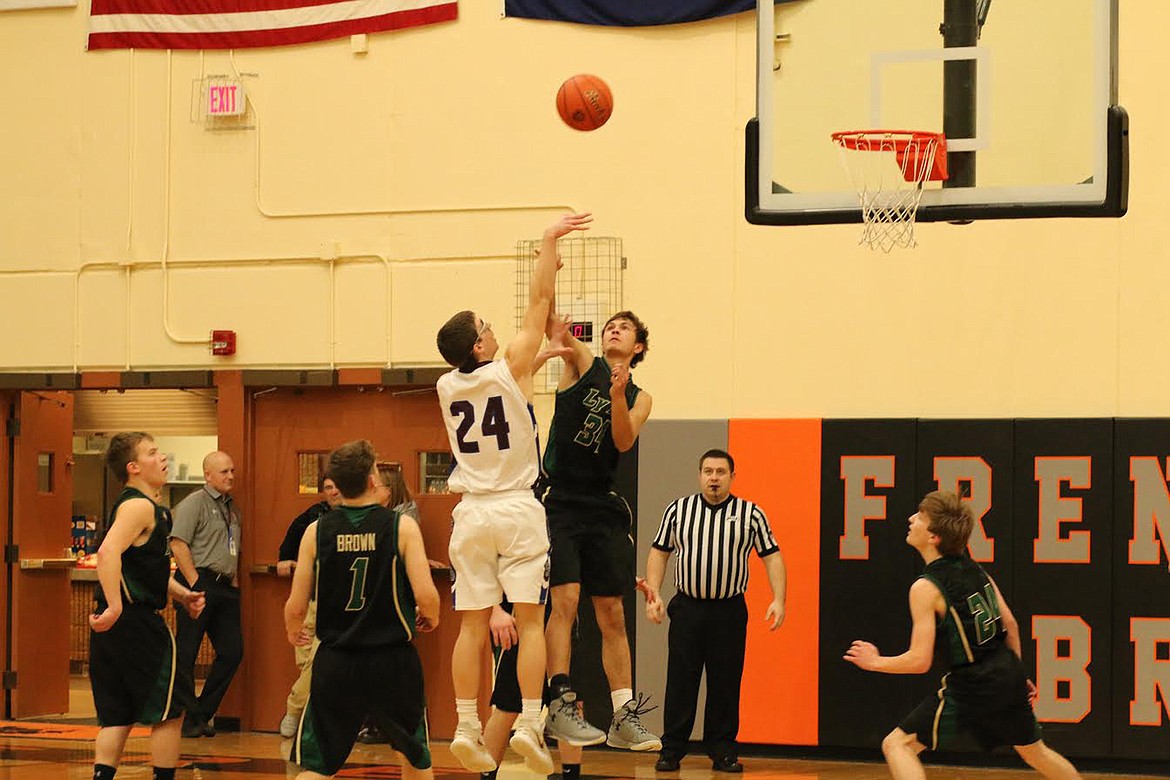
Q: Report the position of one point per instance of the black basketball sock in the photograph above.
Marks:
(488, 775)
(570, 772)
(164, 773)
(559, 685)
(104, 772)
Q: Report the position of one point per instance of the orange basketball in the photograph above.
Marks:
(584, 102)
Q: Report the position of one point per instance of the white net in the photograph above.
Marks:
(888, 169)
(589, 290)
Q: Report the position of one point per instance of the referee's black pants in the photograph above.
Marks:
(220, 621)
(706, 634)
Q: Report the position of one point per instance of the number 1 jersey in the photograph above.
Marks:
(364, 598)
(491, 428)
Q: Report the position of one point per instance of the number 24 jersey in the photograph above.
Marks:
(491, 428)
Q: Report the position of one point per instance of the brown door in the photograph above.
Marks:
(41, 519)
(9, 403)
(290, 428)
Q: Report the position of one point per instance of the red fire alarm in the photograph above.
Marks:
(223, 342)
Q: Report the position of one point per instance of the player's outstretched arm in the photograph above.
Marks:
(577, 355)
(924, 605)
(557, 332)
(418, 571)
(626, 423)
(297, 605)
(134, 518)
(1012, 627)
(526, 344)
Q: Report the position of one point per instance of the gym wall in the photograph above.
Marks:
(1071, 528)
(104, 165)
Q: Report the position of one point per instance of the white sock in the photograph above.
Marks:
(530, 712)
(620, 697)
(468, 712)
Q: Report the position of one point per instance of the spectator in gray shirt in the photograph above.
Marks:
(205, 543)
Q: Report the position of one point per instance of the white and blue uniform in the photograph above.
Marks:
(499, 536)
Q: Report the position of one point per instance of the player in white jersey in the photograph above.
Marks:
(499, 536)
(492, 430)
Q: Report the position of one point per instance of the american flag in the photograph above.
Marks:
(18, 5)
(240, 24)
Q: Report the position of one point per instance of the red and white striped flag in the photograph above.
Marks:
(19, 5)
(241, 24)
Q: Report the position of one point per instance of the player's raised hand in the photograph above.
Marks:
(568, 223)
(862, 654)
(549, 352)
(557, 330)
(619, 377)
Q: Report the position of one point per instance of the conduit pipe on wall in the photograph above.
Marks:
(386, 262)
(77, 319)
(165, 255)
(165, 260)
(163, 265)
(273, 214)
(333, 309)
(133, 143)
(166, 248)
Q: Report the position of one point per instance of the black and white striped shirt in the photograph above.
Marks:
(713, 542)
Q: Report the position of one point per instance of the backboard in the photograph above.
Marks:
(1024, 90)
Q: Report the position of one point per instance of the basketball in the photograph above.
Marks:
(584, 102)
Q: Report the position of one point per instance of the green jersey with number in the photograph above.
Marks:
(581, 456)
(971, 629)
(146, 568)
(363, 596)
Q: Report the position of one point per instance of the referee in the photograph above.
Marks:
(713, 532)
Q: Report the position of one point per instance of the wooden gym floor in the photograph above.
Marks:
(35, 751)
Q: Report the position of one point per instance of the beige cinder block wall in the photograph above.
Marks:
(416, 167)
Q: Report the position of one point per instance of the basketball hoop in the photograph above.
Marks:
(890, 183)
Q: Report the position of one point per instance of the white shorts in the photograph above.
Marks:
(499, 545)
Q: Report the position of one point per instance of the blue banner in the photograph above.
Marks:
(627, 13)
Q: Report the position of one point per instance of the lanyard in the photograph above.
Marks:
(225, 513)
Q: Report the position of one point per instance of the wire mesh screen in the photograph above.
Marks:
(589, 290)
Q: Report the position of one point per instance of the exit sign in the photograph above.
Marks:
(225, 97)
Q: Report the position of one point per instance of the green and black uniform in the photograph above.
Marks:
(984, 692)
(366, 665)
(588, 523)
(132, 665)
